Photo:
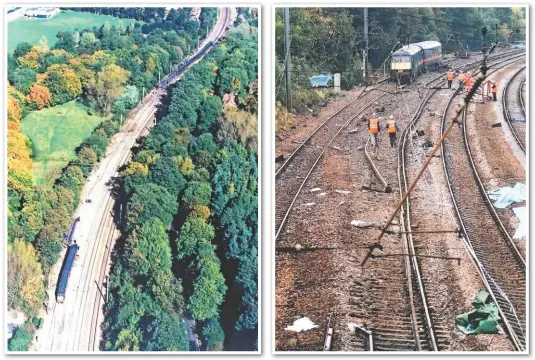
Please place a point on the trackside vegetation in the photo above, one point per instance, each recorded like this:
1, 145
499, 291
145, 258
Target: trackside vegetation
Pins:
189, 250
106, 70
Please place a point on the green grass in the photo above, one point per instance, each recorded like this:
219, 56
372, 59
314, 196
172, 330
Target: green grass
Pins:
31, 30
55, 133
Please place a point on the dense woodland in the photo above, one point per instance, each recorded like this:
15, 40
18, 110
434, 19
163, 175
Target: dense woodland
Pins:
330, 40
108, 68
195, 174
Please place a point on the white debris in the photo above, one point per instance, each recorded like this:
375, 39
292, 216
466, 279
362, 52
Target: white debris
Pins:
344, 192
308, 204
522, 214
322, 194
508, 195
364, 224
315, 189
302, 324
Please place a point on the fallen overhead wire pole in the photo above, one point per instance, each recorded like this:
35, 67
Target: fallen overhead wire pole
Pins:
299, 248
458, 112
373, 256
425, 232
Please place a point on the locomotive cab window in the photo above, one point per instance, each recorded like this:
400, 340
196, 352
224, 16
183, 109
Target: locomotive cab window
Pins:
401, 58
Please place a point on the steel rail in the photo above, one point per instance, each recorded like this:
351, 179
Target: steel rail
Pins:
505, 109
521, 98
405, 216
283, 222
320, 126
485, 277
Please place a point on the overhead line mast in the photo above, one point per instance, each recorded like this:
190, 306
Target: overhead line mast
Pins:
287, 59
365, 57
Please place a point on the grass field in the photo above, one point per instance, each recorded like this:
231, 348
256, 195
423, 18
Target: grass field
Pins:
55, 133
31, 30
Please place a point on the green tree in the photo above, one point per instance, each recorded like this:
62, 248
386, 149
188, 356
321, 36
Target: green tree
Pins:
169, 335
208, 290
197, 193
107, 87
211, 107
214, 335
164, 172
150, 201
22, 337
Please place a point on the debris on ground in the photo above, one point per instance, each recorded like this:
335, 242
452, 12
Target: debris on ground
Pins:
302, 324
508, 195
309, 204
353, 131
483, 319
343, 192
315, 190
428, 143
522, 215
365, 224
279, 158
497, 125
322, 194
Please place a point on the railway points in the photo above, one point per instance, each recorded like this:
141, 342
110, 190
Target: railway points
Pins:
405, 292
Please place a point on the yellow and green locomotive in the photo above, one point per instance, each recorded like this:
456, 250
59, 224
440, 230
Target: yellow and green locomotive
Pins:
411, 60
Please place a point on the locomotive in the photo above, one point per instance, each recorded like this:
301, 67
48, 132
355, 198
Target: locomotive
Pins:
182, 67
65, 272
411, 60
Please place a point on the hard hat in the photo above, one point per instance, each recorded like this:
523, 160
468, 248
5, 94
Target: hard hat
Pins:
391, 116
373, 114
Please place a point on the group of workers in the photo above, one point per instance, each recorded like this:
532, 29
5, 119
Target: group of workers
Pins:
374, 123
465, 80
374, 127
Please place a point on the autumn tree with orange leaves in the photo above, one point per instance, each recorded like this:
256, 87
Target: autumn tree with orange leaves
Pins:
39, 96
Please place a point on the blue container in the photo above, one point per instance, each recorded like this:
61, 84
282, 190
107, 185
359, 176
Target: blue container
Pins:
65, 272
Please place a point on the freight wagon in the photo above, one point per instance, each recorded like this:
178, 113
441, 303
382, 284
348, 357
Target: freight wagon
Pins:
412, 60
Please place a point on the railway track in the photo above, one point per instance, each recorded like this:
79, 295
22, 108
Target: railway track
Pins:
70, 320
497, 259
379, 299
293, 174
75, 326
513, 108
419, 327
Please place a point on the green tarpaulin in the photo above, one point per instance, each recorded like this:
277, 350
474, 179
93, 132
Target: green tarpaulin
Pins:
483, 319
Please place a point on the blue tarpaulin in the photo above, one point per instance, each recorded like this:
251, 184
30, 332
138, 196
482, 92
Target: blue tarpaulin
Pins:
320, 80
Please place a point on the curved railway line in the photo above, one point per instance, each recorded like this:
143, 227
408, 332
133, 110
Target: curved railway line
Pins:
302, 162
416, 325
513, 108
500, 264
80, 323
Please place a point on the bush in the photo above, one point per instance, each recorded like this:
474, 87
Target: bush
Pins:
22, 337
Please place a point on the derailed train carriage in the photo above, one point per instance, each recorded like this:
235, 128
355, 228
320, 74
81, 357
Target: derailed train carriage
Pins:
183, 66
412, 60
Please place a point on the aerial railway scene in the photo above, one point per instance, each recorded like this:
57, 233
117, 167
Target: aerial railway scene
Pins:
400, 181
132, 179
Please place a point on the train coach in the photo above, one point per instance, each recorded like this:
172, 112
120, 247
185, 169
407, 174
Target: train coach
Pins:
182, 67
412, 60
65, 272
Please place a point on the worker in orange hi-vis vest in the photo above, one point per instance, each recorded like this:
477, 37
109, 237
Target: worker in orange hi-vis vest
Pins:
449, 76
374, 128
461, 79
392, 127
468, 82
494, 91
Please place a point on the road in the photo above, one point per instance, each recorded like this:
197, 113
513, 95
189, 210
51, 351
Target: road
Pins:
75, 325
